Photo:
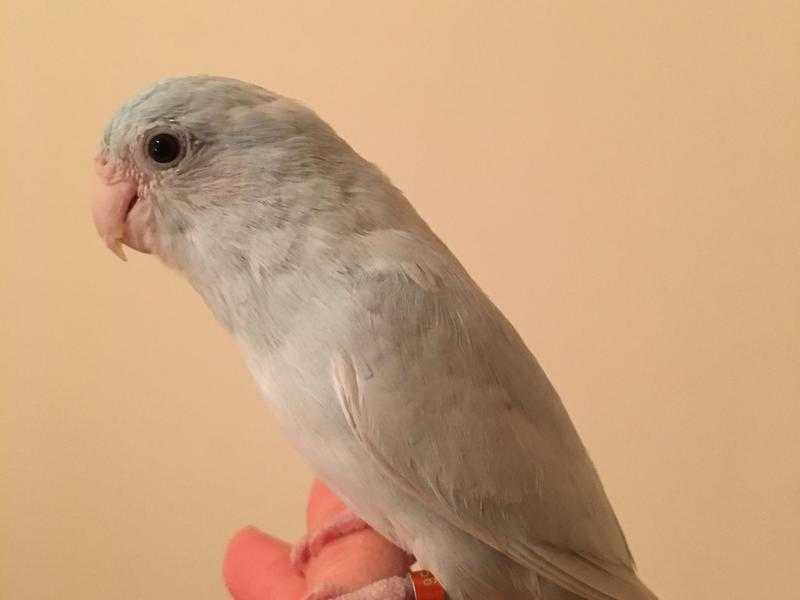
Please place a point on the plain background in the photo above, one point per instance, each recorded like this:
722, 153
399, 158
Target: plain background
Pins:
623, 178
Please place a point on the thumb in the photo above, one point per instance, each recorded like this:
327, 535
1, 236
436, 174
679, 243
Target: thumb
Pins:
257, 567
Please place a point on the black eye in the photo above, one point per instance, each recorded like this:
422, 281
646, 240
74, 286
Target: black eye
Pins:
164, 148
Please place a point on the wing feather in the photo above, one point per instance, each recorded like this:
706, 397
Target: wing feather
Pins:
444, 394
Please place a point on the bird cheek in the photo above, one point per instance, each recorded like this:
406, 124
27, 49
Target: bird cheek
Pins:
139, 226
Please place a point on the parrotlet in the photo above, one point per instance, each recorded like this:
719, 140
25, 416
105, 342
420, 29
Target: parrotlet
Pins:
403, 385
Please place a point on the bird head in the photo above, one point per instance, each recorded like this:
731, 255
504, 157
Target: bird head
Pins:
201, 160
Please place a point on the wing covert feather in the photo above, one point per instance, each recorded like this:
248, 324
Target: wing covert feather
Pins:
448, 399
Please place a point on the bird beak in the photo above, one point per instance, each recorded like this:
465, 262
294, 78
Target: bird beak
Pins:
113, 199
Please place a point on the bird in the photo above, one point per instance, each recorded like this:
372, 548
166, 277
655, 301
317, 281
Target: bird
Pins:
387, 367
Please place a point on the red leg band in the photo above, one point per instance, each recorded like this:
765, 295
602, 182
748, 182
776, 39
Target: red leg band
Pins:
426, 587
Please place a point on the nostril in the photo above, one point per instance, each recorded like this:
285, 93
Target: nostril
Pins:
105, 170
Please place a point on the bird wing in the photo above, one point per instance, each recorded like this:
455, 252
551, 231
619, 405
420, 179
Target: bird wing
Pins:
455, 409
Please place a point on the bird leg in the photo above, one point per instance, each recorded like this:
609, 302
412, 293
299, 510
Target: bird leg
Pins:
391, 588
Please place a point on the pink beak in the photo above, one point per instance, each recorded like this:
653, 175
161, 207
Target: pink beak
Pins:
112, 203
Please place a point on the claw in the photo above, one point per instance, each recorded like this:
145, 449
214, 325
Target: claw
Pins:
116, 247
311, 545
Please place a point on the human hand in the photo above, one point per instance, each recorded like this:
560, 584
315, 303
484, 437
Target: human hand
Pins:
259, 567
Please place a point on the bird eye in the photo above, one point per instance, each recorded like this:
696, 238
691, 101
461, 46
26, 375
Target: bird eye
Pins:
164, 148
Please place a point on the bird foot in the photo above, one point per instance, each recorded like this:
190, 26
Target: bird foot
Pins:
325, 592
391, 588
311, 545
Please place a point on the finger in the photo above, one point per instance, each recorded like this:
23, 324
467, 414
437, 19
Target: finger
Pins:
356, 560
353, 560
323, 505
257, 567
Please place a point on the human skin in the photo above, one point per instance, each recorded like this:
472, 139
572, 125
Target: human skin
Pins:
257, 566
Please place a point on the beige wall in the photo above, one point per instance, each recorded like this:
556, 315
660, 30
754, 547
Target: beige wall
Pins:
621, 177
